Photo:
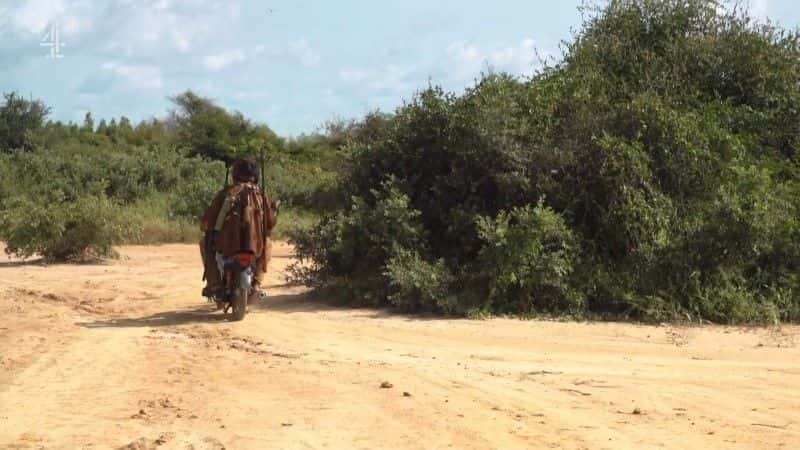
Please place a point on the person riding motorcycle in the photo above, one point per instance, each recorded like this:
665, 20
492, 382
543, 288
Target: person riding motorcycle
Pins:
240, 219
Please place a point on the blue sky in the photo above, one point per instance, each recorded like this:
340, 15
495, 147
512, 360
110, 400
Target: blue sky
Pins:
292, 64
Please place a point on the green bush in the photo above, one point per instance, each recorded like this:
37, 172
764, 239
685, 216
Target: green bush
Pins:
192, 196
419, 285
528, 262
76, 230
293, 221
157, 173
151, 216
667, 158
350, 250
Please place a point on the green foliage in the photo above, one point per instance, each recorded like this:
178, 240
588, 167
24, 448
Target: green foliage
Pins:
665, 143
208, 130
418, 284
154, 222
154, 195
351, 251
528, 261
85, 228
155, 188
293, 221
88, 123
304, 173
20, 119
126, 175
191, 197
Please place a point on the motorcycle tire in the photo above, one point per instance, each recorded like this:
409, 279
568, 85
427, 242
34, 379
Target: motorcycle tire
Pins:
239, 303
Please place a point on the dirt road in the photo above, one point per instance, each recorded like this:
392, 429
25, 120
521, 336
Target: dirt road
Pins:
125, 355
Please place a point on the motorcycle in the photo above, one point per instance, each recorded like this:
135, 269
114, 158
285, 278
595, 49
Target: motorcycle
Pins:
237, 276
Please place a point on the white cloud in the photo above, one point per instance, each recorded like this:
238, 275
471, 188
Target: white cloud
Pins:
303, 52
353, 75
250, 95
35, 15
140, 77
165, 29
182, 40
299, 51
390, 79
453, 68
223, 60
465, 53
468, 60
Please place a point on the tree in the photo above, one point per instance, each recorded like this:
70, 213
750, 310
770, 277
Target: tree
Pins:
88, 122
153, 131
125, 124
111, 130
208, 130
20, 119
102, 127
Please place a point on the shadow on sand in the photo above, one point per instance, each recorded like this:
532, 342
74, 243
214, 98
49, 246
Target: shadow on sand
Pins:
22, 263
284, 304
161, 319
206, 314
294, 303
303, 303
41, 262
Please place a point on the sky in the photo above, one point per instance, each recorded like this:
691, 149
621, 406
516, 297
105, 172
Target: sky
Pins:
292, 64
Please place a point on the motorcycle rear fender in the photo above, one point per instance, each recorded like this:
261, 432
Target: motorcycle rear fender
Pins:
246, 278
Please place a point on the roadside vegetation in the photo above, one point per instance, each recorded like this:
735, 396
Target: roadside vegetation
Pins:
72, 192
650, 173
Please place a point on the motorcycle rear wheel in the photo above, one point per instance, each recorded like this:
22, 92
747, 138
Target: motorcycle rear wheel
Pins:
239, 303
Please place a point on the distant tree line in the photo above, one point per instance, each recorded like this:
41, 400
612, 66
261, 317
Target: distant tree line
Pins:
70, 191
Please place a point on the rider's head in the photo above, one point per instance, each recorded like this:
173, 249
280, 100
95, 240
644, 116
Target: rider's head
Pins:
245, 170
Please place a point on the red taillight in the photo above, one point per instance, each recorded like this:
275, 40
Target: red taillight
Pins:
244, 259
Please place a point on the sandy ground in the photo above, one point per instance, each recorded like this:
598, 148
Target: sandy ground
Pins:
126, 355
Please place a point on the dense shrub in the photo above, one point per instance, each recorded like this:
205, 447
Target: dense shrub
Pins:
82, 229
417, 284
528, 261
157, 177
20, 120
663, 145
192, 196
152, 185
350, 251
